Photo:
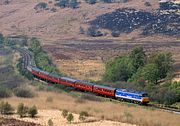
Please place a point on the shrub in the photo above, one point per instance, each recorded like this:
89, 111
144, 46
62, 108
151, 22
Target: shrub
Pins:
70, 117
147, 4
50, 122
64, 113
6, 108
91, 1
83, 115
40, 6
93, 32
23, 92
32, 111
22, 110
4, 92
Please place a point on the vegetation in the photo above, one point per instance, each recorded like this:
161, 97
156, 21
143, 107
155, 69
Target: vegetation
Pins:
83, 115
41, 6
67, 3
50, 122
23, 92
5, 108
32, 111
65, 113
5, 92
93, 32
91, 1
22, 110
41, 58
145, 73
1, 38
70, 117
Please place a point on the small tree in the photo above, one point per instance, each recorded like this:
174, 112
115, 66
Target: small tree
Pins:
5, 108
83, 115
22, 110
32, 111
70, 117
50, 122
64, 113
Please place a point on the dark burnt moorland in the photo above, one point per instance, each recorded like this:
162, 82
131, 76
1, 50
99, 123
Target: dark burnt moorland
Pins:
165, 21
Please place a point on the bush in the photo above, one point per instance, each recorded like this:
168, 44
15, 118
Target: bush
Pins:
6, 108
4, 92
93, 32
23, 92
64, 113
147, 4
41, 5
83, 115
32, 111
70, 117
22, 110
50, 122
91, 1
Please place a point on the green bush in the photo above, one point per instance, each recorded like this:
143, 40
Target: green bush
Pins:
83, 115
6, 108
50, 122
23, 92
22, 110
32, 111
70, 117
65, 113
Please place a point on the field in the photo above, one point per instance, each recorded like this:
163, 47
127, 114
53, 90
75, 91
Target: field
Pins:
86, 59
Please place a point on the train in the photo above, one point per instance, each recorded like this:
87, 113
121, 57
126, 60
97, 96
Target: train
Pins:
115, 93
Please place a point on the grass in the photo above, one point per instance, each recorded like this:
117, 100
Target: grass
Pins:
109, 110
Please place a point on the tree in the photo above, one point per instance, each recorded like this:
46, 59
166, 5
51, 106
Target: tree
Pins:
6, 108
70, 117
32, 111
83, 115
1, 38
119, 69
73, 3
163, 61
138, 57
64, 113
22, 110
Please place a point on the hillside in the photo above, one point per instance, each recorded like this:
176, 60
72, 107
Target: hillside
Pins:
54, 23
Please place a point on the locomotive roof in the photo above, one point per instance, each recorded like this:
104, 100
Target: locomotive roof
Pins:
69, 79
88, 83
105, 87
131, 91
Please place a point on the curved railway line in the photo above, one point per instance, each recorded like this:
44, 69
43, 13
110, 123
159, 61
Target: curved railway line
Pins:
27, 60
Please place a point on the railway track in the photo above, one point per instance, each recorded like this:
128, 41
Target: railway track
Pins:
27, 60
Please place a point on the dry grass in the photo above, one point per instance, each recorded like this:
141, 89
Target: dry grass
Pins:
82, 69
106, 110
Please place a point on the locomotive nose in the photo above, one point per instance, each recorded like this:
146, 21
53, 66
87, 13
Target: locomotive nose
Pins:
145, 100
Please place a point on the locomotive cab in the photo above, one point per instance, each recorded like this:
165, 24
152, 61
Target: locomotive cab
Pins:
144, 98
